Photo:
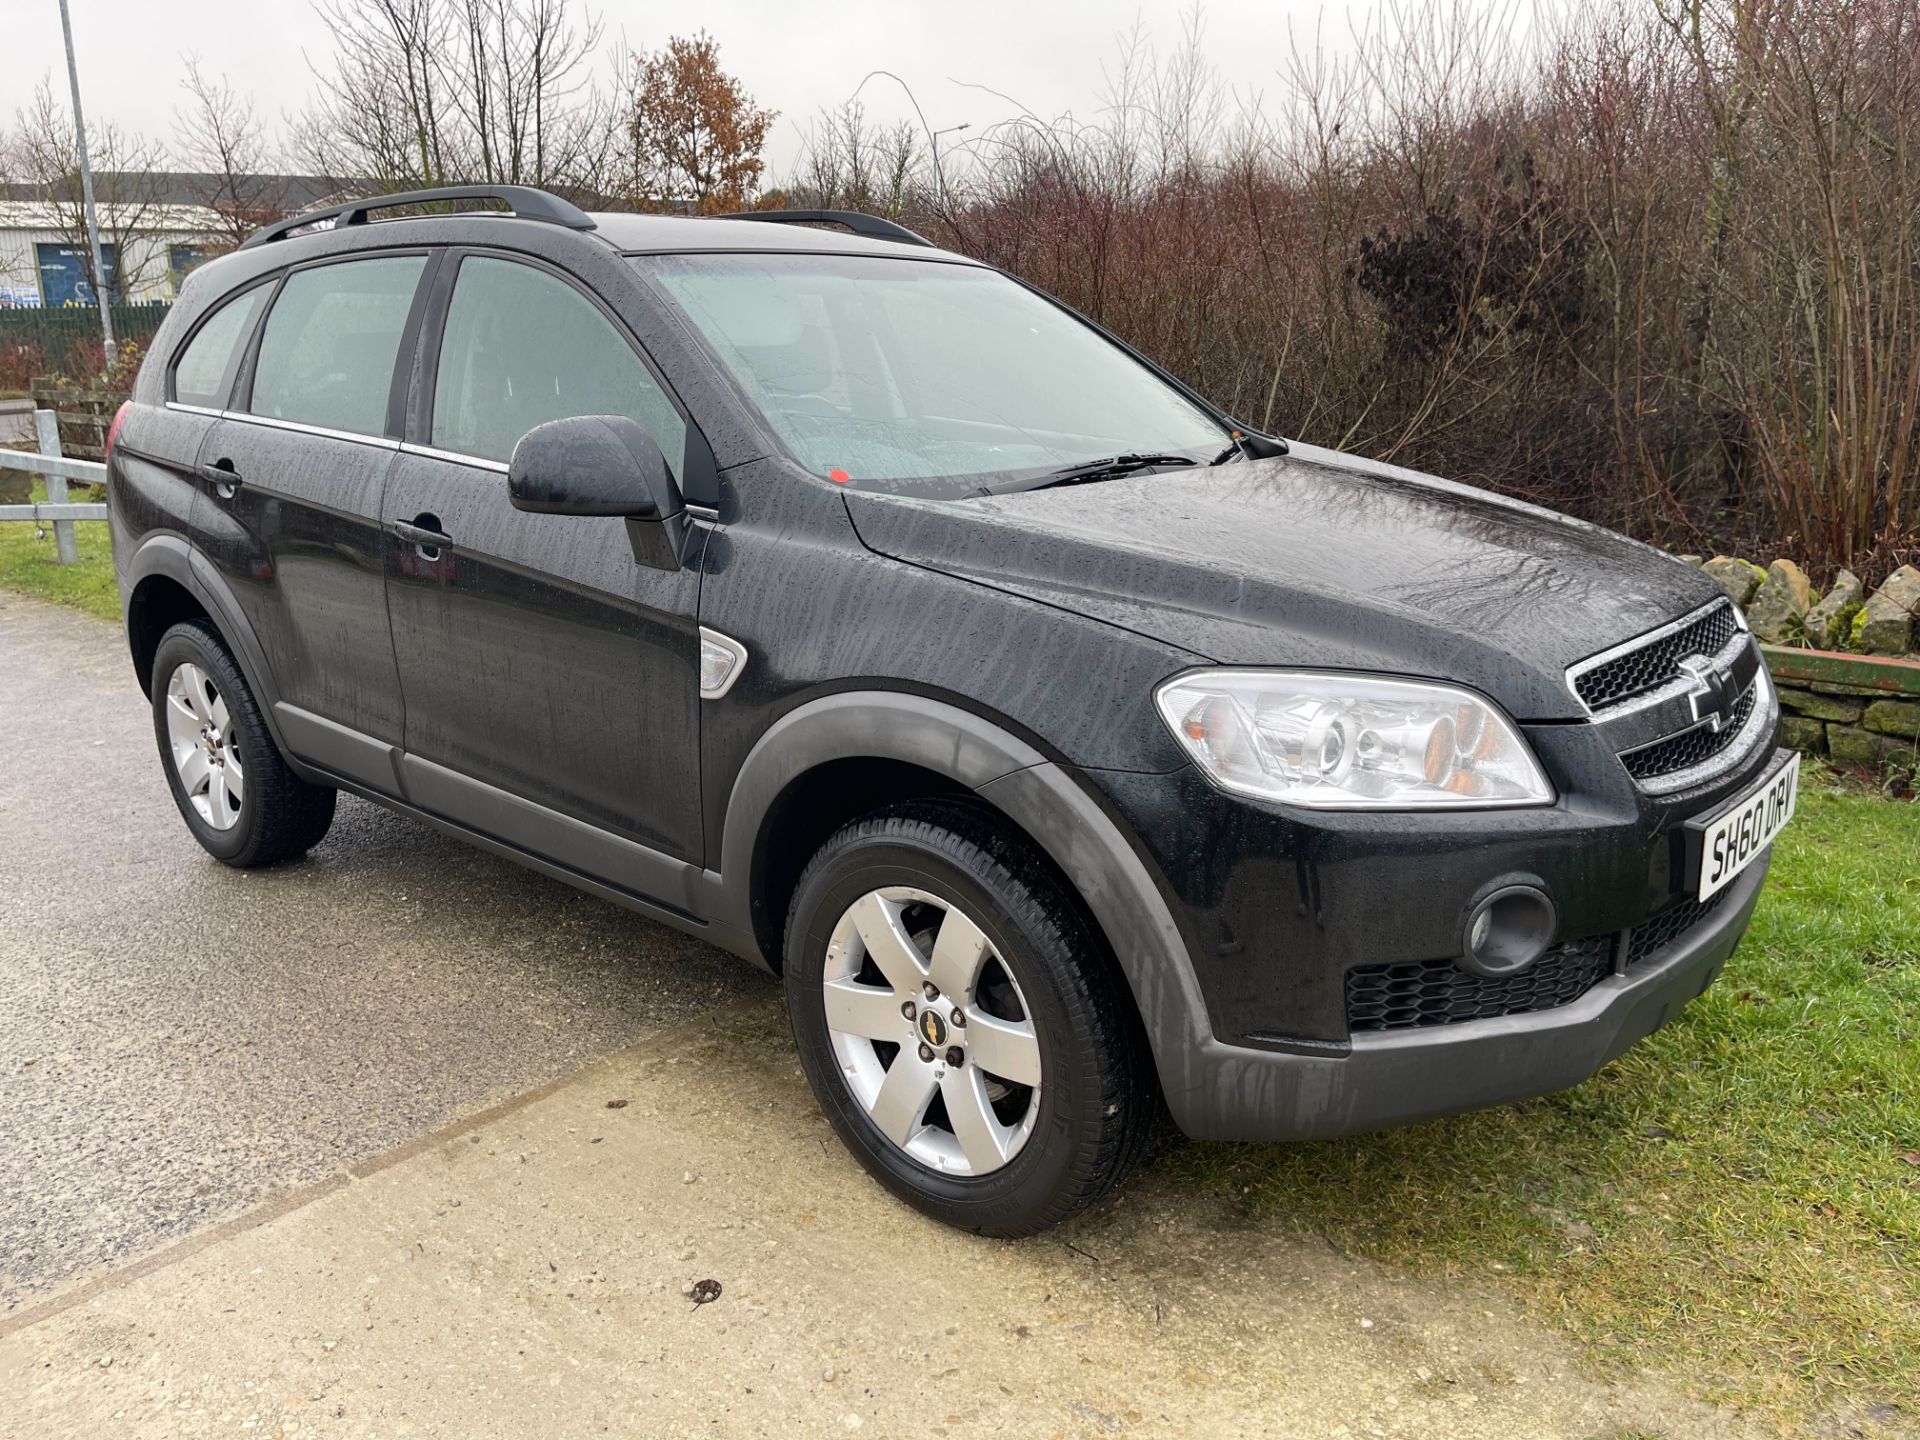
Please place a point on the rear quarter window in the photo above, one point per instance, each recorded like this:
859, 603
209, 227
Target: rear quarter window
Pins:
203, 375
327, 354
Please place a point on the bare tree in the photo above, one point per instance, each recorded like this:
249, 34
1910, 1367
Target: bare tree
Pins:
382, 116
436, 92
525, 92
40, 150
847, 163
219, 135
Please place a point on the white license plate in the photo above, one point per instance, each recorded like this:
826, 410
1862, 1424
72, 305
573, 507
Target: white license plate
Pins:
1740, 834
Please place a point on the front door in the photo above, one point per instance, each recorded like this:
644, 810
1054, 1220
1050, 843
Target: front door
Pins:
294, 477
551, 683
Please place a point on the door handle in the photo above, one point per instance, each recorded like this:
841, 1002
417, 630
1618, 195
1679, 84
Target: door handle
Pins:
222, 476
422, 537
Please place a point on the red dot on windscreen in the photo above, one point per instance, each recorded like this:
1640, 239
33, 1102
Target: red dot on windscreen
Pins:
839, 477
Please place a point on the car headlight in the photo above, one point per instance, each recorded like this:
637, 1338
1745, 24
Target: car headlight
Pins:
1351, 742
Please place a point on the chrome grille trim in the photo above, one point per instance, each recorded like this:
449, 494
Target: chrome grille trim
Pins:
1761, 722
1633, 722
1647, 699
1585, 667
1695, 745
1656, 696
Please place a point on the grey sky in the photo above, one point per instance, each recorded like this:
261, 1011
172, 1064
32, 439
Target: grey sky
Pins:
1048, 54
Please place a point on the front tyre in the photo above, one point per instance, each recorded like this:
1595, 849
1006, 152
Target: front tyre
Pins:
235, 791
963, 1028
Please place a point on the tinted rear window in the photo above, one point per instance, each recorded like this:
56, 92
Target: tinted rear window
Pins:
204, 372
331, 339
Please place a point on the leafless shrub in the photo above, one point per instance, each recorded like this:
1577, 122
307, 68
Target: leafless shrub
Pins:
1656, 265
849, 164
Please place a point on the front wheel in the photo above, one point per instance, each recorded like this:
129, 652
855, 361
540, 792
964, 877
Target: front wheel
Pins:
963, 1028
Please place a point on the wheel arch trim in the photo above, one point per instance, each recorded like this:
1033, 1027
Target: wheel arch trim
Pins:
1058, 815
857, 724
1036, 794
171, 557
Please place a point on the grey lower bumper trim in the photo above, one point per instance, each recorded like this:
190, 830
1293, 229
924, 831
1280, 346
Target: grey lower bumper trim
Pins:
1228, 1092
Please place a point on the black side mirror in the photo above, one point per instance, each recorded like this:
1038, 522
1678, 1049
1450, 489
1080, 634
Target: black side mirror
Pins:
602, 465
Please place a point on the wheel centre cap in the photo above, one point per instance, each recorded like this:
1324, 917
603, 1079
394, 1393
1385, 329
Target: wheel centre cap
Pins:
932, 1028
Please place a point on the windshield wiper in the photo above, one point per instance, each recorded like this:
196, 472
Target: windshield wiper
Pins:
1109, 468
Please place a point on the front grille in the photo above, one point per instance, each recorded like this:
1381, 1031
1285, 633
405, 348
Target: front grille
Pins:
1655, 663
1647, 707
1657, 932
1690, 747
1439, 992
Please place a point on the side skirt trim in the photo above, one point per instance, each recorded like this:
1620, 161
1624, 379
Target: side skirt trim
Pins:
623, 871
579, 847
338, 748
726, 939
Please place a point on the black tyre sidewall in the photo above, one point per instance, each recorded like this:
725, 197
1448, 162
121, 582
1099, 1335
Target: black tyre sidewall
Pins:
189, 644
1018, 1197
281, 815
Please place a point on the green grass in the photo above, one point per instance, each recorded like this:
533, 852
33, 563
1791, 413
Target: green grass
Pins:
1738, 1197
27, 564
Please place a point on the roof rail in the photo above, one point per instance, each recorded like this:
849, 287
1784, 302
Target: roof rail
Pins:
871, 225
522, 201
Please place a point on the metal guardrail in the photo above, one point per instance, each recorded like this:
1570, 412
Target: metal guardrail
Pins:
56, 509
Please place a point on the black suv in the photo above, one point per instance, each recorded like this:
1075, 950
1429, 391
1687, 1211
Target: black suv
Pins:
1070, 750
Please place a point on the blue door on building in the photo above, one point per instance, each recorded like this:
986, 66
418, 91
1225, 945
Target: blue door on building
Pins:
183, 260
63, 274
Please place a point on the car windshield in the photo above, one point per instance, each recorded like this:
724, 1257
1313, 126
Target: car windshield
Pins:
922, 377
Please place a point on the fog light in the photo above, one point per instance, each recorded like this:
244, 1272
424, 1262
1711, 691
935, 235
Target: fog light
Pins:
1508, 930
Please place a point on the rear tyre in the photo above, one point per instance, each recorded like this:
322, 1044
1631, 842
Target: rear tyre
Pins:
235, 791
964, 1029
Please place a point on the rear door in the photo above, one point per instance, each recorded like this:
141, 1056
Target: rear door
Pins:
551, 681
294, 476
154, 487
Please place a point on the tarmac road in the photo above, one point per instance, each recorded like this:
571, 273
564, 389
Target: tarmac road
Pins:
179, 1040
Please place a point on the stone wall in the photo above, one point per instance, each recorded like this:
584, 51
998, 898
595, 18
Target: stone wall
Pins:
1846, 663
1783, 608
1854, 709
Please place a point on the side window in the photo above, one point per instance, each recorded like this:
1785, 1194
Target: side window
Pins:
522, 348
326, 357
204, 372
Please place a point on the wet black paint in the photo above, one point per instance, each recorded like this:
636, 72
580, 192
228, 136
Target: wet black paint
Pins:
533, 655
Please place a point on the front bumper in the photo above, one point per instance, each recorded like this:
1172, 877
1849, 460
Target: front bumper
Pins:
1237, 926
1230, 1092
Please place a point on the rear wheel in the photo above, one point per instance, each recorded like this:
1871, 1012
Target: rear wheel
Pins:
962, 1027
235, 791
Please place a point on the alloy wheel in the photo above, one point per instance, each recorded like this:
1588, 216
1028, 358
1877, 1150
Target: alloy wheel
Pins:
205, 754
933, 1037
